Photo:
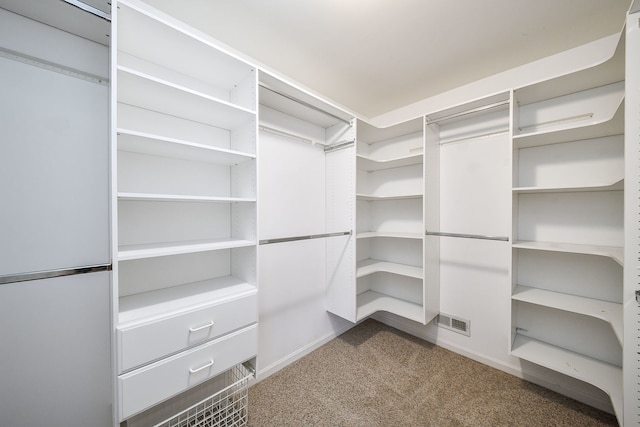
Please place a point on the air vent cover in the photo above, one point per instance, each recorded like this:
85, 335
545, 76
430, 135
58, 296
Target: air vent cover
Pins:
454, 324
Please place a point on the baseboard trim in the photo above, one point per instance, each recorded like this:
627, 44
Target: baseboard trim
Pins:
418, 330
301, 352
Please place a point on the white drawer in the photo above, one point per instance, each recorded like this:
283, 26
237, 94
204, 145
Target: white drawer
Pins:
143, 343
151, 384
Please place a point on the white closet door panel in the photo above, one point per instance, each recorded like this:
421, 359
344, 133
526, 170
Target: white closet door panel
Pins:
54, 169
475, 189
292, 173
56, 356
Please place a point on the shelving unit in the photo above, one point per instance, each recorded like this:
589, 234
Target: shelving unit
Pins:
390, 221
185, 125
568, 197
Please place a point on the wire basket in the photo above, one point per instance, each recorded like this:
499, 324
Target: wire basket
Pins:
225, 408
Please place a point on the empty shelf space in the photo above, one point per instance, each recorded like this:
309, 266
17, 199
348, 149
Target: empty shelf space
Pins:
393, 234
608, 311
132, 252
370, 302
374, 198
156, 145
150, 306
180, 198
603, 375
371, 266
370, 164
618, 185
615, 253
154, 94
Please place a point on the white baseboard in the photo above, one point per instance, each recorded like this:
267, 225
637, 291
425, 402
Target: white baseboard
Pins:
301, 352
554, 384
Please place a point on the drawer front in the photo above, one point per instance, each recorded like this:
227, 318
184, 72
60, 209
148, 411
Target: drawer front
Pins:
145, 343
151, 384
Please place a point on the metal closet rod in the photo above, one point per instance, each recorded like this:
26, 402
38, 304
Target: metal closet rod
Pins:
467, 112
87, 8
306, 104
327, 148
25, 277
467, 236
307, 237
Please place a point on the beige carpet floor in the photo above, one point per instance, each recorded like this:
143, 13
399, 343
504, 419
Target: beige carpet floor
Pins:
374, 375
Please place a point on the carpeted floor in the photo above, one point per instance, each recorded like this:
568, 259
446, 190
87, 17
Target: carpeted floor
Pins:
374, 375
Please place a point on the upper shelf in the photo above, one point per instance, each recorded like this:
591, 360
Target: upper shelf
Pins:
377, 198
152, 93
615, 253
370, 164
618, 185
371, 266
131, 252
393, 234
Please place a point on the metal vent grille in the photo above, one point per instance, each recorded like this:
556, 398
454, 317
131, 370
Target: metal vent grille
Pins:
454, 324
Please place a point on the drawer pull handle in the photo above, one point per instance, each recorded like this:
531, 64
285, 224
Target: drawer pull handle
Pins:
205, 366
199, 328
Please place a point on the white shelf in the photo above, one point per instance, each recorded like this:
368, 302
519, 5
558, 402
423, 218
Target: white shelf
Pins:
603, 375
152, 306
147, 197
370, 302
618, 185
145, 91
370, 164
156, 145
397, 235
371, 266
377, 198
132, 252
608, 311
615, 253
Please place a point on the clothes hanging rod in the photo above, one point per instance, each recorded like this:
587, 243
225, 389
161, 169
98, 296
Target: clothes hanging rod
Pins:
25, 277
339, 145
87, 8
306, 104
307, 237
286, 134
467, 112
467, 236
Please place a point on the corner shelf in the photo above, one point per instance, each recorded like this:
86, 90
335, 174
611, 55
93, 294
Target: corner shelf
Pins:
377, 198
180, 198
370, 302
607, 311
370, 164
392, 234
617, 185
371, 266
615, 253
132, 252
603, 375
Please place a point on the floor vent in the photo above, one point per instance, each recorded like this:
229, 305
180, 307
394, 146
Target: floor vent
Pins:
454, 324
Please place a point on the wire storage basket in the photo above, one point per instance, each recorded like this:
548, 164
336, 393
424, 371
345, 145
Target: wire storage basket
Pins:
226, 408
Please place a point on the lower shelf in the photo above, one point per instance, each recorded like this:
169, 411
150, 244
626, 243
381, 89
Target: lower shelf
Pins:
371, 266
612, 252
370, 302
603, 375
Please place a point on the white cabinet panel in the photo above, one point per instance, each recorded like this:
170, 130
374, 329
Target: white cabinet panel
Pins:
56, 357
54, 161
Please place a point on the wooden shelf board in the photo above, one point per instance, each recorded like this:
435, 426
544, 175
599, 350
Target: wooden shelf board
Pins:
370, 302
148, 197
603, 375
141, 90
615, 253
370, 164
371, 266
151, 306
617, 185
132, 252
607, 311
376, 198
398, 235
157, 145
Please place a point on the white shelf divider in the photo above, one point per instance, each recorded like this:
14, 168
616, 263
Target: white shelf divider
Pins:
603, 375
609, 312
148, 197
376, 198
394, 234
371, 266
370, 164
370, 302
131, 252
162, 303
157, 145
618, 185
613, 252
